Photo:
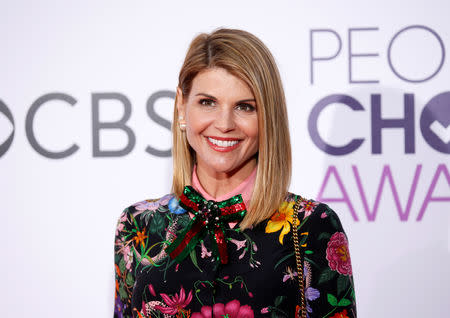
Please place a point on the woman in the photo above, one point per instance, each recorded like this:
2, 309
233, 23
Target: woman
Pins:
221, 245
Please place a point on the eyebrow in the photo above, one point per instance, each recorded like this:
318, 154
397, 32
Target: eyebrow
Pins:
212, 97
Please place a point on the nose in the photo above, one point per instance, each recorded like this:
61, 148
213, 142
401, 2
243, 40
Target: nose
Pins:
225, 120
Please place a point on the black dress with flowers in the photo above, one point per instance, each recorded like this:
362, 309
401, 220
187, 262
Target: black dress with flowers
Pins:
259, 279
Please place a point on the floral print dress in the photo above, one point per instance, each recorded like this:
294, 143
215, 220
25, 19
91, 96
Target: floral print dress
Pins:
259, 280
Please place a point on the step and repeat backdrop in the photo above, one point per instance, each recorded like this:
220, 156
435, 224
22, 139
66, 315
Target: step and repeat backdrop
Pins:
86, 98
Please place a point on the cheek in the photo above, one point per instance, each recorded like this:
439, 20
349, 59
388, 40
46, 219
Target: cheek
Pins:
250, 128
192, 134
195, 125
193, 120
253, 132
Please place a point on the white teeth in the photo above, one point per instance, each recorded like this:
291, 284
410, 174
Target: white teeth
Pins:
223, 143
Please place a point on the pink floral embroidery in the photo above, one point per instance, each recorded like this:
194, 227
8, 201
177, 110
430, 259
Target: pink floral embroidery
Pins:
338, 255
232, 309
152, 205
128, 257
152, 290
120, 226
146, 205
205, 252
308, 206
239, 244
175, 303
289, 274
147, 308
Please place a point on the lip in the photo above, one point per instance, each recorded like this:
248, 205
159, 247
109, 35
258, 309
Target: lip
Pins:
223, 149
223, 138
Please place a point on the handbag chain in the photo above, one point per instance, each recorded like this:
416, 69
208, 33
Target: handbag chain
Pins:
298, 257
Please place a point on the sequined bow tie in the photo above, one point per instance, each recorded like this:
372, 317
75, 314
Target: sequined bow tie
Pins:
209, 217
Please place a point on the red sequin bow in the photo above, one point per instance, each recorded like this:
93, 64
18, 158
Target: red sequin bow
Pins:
210, 217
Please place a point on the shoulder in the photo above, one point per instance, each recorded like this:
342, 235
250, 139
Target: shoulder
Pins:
312, 219
313, 214
142, 212
326, 260
149, 204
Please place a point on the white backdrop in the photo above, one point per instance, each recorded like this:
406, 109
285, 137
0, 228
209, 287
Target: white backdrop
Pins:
350, 69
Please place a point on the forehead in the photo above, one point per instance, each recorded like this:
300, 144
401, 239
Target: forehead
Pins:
220, 83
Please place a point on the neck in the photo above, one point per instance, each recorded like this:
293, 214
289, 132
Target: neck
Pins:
217, 184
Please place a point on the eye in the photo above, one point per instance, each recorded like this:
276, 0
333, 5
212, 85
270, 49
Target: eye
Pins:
207, 102
246, 107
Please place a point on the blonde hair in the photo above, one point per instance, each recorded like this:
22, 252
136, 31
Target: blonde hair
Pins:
246, 57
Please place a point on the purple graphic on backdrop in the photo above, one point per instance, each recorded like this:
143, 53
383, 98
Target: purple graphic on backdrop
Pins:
406, 123
325, 38
313, 129
378, 124
435, 122
441, 61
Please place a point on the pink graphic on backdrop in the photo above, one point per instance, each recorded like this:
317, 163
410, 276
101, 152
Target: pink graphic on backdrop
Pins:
429, 198
404, 214
345, 198
386, 175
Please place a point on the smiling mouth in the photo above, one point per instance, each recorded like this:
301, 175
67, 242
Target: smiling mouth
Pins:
223, 144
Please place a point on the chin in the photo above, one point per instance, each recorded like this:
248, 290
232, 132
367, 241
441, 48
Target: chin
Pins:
230, 168
222, 164
223, 168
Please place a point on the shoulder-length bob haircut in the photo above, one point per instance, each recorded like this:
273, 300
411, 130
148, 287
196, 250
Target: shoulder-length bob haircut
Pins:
246, 57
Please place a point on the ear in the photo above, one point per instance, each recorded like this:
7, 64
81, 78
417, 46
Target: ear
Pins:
180, 104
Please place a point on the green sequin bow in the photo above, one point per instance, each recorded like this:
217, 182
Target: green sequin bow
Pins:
210, 217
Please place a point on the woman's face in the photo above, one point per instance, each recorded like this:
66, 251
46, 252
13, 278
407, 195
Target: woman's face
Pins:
221, 122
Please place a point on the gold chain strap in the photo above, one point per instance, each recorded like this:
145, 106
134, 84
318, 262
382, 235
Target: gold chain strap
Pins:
298, 258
